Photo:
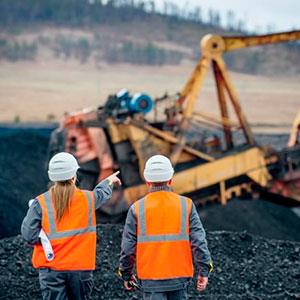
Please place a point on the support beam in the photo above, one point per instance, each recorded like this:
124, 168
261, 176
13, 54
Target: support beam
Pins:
192, 89
223, 198
171, 139
234, 100
222, 102
189, 95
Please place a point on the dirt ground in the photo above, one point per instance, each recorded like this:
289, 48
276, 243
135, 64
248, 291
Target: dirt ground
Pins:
45, 89
245, 267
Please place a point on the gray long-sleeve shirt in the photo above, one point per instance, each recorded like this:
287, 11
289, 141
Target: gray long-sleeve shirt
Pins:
201, 254
31, 224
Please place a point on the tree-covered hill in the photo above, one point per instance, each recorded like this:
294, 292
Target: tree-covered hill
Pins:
130, 31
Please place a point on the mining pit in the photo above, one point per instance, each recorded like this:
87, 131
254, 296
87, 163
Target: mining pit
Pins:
255, 244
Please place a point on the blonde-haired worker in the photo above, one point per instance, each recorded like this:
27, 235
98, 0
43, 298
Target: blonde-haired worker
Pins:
66, 215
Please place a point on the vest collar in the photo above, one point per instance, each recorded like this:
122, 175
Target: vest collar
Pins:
160, 188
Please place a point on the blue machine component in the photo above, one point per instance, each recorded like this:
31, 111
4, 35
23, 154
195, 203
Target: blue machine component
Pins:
138, 103
141, 103
123, 94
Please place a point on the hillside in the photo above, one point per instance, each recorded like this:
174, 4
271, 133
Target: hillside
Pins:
124, 32
62, 56
43, 90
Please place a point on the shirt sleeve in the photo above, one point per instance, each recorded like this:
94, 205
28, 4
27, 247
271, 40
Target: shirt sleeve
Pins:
102, 193
31, 225
198, 242
128, 246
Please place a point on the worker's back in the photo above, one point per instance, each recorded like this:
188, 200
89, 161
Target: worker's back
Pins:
73, 238
163, 248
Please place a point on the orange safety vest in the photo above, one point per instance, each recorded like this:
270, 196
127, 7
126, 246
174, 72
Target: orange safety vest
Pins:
163, 246
73, 239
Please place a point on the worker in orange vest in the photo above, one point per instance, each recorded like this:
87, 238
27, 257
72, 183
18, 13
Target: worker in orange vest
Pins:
66, 216
161, 235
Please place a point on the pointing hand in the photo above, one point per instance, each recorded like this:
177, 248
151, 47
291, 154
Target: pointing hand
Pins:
114, 179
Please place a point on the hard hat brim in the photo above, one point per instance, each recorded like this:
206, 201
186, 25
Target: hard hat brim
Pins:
162, 177
63, 176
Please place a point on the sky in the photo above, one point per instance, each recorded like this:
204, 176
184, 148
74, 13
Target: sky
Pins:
282, 15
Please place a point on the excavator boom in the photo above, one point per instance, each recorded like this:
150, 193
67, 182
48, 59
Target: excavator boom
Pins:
212, 49
237, 42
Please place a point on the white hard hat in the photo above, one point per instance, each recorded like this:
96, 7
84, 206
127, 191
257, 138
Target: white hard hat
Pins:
158, 168
62, 166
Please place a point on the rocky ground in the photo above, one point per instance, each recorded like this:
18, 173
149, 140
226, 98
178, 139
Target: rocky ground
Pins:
245, 267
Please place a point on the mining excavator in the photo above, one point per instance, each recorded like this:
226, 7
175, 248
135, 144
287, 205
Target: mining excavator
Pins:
210, 165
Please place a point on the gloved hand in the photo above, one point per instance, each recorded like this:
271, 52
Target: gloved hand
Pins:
131, 284
202, 283
114, 179
130, 281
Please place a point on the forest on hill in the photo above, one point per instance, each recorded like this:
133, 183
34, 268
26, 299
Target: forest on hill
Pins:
129, 31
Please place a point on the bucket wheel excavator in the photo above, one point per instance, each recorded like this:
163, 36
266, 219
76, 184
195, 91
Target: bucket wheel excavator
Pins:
209, 165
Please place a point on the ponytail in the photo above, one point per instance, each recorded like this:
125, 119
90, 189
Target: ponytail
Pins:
62, 193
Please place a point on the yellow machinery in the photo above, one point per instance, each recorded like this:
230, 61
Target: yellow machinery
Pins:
212, 49
213, 170
287, 184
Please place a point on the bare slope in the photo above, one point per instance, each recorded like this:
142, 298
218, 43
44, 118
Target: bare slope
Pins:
46, 89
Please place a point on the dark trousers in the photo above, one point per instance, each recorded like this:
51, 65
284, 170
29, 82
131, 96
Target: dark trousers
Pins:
73, 285
171, 295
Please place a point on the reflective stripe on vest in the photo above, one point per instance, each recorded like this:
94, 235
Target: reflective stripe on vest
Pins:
53, 234
182, 236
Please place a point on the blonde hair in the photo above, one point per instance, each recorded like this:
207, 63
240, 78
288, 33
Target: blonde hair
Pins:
62, 192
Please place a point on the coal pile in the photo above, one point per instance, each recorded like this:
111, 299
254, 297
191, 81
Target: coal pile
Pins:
258, 217
245, 267
23, 156
278, 141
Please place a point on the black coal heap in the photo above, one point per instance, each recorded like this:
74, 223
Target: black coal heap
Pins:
245, 267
